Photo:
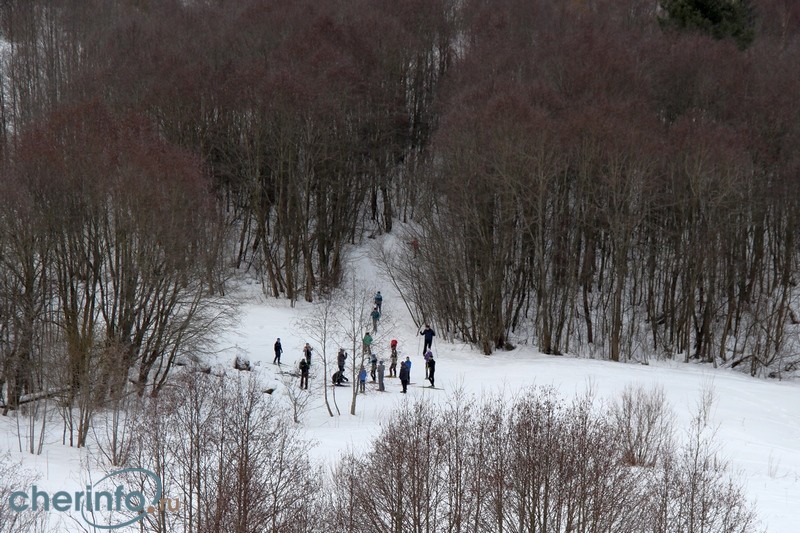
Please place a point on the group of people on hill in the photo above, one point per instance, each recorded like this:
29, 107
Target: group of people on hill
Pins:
377, 370
377, 367
305, 362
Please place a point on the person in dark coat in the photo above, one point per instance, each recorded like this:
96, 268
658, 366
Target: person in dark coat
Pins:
373, 362
429, 334
405, 372
278, 352
307, 352
379, 302
431, 370
341, 357
338, 378
303, 374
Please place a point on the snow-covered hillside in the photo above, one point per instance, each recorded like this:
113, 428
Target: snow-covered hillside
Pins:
758, 421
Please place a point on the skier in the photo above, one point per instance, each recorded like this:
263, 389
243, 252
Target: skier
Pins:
341, 357
405, 372
278, 352
373, 361
362, 379
381, 369
376, 315
307, 351
367, 343
428, 356
303, 374
379, 302
431, 370
429, 334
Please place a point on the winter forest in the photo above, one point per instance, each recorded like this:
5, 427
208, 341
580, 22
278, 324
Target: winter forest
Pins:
615, 179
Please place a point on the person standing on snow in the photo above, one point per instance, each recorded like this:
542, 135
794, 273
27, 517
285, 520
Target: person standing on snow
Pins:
393, 360
429, 334
362, 379
307, 351
405, 373
373, 361
376, 315
428, 356
303, 374
379, 302
431, 370
278, 352
381, 370
367, 342
341, 357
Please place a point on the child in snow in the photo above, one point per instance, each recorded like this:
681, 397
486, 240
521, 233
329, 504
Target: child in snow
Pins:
362, 379
428, 356
338, 378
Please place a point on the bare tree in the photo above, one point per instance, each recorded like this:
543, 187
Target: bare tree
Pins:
352, 322
226, 438
646, 425
15, 477
318, 326
536, 463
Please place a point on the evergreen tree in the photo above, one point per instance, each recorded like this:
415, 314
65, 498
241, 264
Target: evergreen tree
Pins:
719, 18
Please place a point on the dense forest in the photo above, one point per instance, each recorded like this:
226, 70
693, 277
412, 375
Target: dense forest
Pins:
614, 178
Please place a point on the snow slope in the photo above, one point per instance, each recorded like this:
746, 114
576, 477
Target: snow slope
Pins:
758, 421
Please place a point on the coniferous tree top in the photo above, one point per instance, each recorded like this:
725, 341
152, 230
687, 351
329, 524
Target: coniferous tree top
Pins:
719, 18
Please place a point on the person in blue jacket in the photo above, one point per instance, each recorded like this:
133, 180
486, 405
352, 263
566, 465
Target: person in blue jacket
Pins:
362, 379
